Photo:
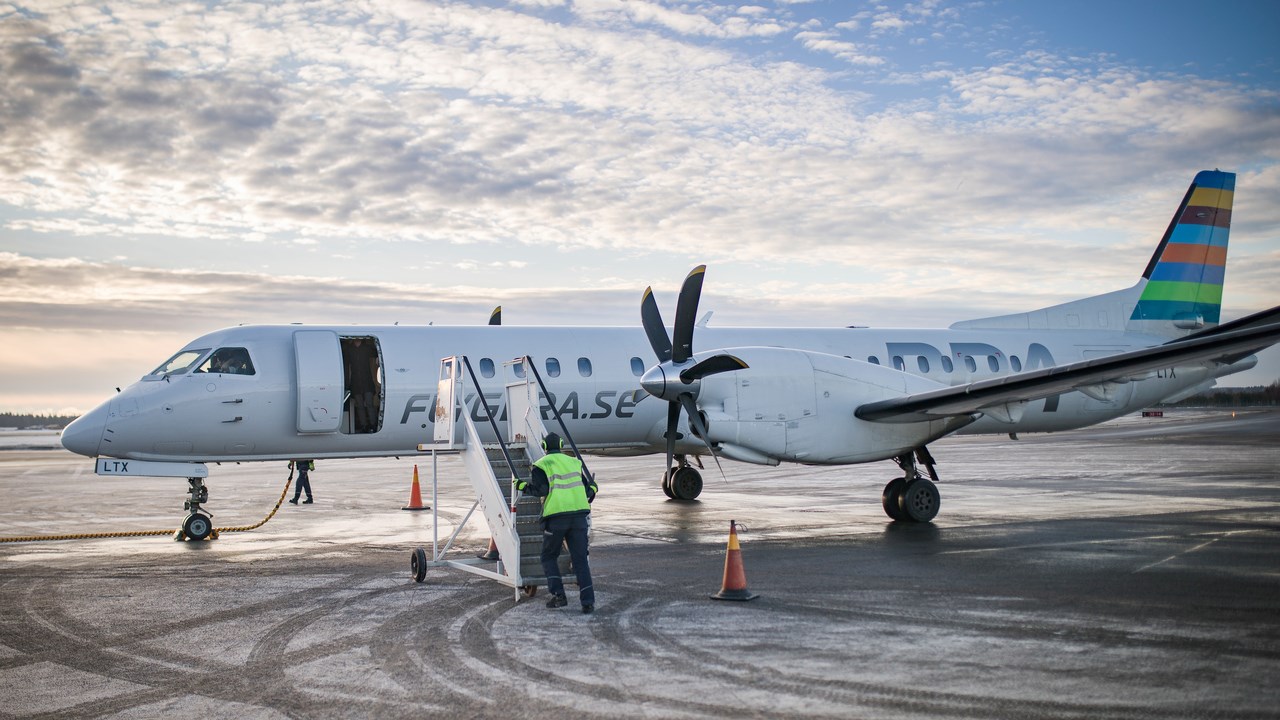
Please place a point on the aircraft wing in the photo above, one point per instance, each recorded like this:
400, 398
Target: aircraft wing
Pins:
1225, 344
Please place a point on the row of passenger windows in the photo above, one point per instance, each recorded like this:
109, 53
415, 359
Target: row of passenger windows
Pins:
970, 363
553, 369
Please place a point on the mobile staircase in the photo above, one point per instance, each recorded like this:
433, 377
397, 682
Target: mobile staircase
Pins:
514, 520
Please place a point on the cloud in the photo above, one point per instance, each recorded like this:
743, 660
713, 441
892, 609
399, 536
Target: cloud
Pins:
826, 42
630, 137
704, 19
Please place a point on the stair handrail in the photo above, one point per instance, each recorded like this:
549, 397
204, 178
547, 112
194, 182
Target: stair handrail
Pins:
488, 411
528, 362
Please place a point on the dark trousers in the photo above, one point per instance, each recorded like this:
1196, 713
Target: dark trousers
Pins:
304, 484
555, 532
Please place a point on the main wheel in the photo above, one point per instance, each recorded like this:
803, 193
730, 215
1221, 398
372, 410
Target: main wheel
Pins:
418, 564
920, 501
891, 499
666, 484
686, 483
197, 526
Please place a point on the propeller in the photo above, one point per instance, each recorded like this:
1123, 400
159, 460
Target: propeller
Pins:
676, 378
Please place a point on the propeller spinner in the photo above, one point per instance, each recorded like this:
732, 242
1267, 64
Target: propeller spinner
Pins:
677, 378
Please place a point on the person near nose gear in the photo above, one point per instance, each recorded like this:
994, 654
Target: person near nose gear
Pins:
304, 480
567, 493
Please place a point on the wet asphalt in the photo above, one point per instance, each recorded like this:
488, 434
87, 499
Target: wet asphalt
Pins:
1126, 571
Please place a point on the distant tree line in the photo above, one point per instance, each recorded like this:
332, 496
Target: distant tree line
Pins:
1258, 395
22, 420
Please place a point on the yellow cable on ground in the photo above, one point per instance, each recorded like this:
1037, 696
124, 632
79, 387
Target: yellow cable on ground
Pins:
264, 520
144, 533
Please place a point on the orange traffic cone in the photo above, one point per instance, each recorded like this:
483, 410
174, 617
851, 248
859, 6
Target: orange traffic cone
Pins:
734, 586
415, 495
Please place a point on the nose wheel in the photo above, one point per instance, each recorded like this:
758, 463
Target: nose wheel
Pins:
198, 524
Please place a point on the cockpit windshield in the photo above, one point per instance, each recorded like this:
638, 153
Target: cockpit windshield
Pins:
179, 363
228, 360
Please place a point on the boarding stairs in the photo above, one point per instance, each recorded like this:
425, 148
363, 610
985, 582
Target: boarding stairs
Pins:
514, 520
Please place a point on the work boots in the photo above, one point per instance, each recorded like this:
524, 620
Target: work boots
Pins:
557, 601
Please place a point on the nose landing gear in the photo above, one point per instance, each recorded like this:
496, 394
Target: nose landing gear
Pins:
198, 524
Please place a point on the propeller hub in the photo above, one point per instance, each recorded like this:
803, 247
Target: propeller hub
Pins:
663, 381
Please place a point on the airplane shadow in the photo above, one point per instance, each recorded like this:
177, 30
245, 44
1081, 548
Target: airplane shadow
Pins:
912, 533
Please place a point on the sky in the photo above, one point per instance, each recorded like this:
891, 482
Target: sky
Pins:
170, 168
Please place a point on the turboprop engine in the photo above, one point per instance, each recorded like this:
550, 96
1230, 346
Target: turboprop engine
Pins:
766, 405
798, 406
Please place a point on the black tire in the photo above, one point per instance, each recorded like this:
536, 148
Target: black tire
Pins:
197, 526
920, 501
891, 499
418, 565
666, 484
528, 591
686, 484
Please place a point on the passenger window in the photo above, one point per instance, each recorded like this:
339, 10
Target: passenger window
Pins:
553, 367
1016, 363
486, 368
637, 366
970, 364
228, 361
873, 359
584, 367
946, 364
994, 363
518, 369
923, 363
898, 364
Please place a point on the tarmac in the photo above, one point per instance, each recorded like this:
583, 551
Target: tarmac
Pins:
1130, 570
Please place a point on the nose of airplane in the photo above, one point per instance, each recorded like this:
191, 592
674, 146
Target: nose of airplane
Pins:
84, 435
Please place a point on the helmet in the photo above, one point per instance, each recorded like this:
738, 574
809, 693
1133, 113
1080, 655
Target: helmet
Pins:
552, 443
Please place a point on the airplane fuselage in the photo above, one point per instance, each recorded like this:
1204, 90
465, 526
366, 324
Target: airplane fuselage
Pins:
592, 373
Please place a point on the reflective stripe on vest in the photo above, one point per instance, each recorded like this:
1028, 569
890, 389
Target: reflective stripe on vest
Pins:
566, 492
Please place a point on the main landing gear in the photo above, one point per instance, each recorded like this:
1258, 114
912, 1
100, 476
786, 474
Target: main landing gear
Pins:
198, 524
682, 482
912, 497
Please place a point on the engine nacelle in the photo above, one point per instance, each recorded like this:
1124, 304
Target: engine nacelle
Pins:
798, 406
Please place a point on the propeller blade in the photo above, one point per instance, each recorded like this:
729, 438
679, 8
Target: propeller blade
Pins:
686, 315
673, 420
711, 366
653, 327
495, 317
695, 421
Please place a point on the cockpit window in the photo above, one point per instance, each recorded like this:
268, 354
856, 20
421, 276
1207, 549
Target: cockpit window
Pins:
228, 361
180, 363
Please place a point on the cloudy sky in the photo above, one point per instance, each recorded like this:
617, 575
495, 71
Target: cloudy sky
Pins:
170, 168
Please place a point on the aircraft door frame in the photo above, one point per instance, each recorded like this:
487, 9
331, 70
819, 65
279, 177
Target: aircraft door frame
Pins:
319, 382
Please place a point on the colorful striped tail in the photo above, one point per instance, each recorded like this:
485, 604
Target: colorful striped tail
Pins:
1183, 289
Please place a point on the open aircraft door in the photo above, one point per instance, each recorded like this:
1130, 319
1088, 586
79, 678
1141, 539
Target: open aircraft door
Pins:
318, 357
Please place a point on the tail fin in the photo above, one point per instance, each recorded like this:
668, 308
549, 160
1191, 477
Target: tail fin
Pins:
1183, 282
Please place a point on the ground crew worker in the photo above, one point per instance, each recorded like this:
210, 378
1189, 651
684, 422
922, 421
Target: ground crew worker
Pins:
567, 493
304, 480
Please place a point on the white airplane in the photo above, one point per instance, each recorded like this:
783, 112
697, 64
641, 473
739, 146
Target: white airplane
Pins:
820, 396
